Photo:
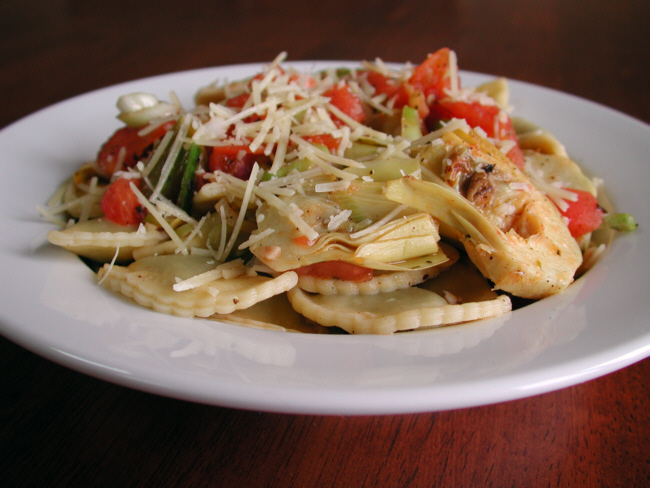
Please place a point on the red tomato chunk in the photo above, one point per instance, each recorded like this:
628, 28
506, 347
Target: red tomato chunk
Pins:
327, 140
236, 160
432, 76
121, 205
128, 144
496, 123
337, 270
389, 87
341, 97
584, 215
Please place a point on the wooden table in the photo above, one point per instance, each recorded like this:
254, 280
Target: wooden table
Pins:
61, 428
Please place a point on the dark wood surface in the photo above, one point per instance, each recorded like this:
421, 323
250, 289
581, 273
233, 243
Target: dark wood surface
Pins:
61, 428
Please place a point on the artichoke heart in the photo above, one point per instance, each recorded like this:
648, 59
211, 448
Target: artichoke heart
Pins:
512, 233
407, 242
387, 169
101, 240
410, 237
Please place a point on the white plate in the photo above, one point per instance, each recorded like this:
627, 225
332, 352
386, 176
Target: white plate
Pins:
51, 305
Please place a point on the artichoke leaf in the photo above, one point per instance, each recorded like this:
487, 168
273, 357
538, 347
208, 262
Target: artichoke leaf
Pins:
367, 201
410, 237
419, 262
283, 249
457, 216
535, 258
387, 169
387, 251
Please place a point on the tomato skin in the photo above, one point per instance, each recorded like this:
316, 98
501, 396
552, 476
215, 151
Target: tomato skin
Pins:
236, 160
390, 87
484, 116
341, 97
340, 270
490, 118
431, 77
517, 156
327, 140
135, 147
584, 215
238, 101
120, 205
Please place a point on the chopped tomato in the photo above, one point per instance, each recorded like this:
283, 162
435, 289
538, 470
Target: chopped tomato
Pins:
259, 77
238, 101
516, 156
495, 122
484, 116
337, 270
126, 143
327, 140
432, 76
120, 205
390, 87
584, 215
236, 160
418, 101
341, 97
303, 80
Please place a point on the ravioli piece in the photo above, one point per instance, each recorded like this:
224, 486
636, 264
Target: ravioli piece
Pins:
381, 282
79, 203
98, 239
406, 309
150, 282
555, 169
531, 136
463, 283
498, 90
276, 313
206, 235
547, 159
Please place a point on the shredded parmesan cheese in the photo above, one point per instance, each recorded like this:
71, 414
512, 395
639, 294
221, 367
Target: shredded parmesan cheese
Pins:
256, 238
554, 192
242, 211
336, 220
111, 264
229, 270
339, 185
384, 220
159, 218
171, 158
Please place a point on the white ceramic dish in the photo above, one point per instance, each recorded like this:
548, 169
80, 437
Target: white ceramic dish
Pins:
51, 305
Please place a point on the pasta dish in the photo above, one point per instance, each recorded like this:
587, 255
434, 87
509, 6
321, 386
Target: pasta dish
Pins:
371, 199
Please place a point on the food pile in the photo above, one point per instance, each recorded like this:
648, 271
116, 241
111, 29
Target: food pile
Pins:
367, 199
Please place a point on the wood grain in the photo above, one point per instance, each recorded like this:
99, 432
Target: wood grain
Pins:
61, 428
